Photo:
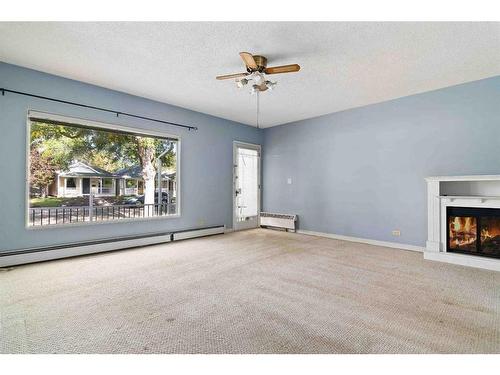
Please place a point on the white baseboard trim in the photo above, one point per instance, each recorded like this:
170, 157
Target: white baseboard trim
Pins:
464, 260
394, 245
71, 250
24, 256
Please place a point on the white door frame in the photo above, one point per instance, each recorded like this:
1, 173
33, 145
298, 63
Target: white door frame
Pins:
251, 146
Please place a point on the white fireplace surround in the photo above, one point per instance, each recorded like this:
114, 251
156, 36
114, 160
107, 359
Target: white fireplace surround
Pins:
458, 191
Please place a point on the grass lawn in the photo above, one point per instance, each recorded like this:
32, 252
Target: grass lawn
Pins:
46, 202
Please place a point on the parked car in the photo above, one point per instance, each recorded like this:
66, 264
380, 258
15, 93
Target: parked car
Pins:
139, 199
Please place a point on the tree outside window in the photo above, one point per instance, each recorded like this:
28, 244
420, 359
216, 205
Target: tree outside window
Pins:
55, 148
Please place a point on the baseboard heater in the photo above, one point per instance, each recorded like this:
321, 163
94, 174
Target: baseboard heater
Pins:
40, 254
201, 232
286, 222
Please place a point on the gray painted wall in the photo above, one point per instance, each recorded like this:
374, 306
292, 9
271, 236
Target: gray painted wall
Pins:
358, 172
206, 160
361, 172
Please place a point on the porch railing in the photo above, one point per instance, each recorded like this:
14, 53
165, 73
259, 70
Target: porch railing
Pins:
130, 191
79, 214
103, 190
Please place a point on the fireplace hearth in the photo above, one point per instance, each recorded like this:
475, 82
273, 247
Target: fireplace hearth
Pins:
474, 231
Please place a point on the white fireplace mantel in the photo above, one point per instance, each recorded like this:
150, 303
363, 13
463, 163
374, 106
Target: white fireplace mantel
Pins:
458, 191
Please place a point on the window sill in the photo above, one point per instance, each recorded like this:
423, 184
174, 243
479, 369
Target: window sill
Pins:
93, 223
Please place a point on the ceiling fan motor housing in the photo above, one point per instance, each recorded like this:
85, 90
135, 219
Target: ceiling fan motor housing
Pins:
261, 62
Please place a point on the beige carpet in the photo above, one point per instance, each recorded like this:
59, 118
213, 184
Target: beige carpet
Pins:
257, 291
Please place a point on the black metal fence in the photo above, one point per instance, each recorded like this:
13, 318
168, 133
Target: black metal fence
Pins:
79, 214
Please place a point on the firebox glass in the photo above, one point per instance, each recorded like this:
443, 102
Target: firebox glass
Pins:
463, 233
490, 235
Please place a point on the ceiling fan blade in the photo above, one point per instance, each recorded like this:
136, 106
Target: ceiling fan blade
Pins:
229, 76
282, 69
248, 60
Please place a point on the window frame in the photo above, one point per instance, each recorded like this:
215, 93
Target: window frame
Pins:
99, 125
108, 179
66, 180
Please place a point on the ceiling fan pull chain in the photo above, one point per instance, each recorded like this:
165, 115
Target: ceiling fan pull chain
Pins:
258, 102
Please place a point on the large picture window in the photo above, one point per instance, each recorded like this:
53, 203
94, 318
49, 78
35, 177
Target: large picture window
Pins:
81, 172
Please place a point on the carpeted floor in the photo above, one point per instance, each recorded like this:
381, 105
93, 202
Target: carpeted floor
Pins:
257, 291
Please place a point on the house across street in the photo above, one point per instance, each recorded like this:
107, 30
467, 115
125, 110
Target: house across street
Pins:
81, 179
85, 193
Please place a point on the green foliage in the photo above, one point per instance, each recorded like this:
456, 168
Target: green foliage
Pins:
46, 202
63, 144
42, 170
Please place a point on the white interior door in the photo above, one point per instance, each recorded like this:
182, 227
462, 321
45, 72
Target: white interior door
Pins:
246, 186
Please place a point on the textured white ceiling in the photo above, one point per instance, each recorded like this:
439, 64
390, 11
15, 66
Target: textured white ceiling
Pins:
344, 65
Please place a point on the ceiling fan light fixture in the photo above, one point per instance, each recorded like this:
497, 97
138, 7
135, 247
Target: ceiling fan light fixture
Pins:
258, 78
271, 85
256, 72
241, 83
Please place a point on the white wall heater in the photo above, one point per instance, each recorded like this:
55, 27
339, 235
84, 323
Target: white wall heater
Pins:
23, 256
287, 222
184, 235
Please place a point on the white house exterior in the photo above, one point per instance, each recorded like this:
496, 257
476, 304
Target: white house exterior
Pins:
82, 179
131, 182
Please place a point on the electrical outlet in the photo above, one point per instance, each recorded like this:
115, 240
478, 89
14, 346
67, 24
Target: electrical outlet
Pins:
289, 180
396, 233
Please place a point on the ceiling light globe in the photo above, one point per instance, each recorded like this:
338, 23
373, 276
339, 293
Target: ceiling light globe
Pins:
271, 85
241, 82
258, 78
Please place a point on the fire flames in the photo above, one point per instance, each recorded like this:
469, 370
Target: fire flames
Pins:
485, 234
490, 228
478, 234
462, 231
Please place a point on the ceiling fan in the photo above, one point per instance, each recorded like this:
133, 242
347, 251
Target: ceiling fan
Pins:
256, 71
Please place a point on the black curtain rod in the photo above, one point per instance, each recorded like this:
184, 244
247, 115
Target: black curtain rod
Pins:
118, 113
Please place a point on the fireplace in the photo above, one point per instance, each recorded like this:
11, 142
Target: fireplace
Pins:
474, 231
